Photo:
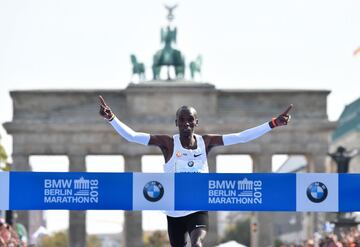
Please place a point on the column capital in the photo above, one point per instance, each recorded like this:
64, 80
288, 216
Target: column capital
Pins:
262, 153
132, 156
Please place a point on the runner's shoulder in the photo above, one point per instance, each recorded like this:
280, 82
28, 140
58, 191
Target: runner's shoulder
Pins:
161, 140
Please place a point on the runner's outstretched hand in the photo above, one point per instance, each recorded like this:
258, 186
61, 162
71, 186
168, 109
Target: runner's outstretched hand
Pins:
105, 110
283, 118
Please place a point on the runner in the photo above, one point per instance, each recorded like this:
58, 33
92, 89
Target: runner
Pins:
187, 152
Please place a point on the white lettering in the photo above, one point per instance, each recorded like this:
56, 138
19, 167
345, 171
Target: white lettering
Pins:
221, 184
222, 192
67, 199
57, 183
233, 200
58, 192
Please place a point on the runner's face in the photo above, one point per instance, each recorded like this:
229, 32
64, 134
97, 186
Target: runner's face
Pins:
186, 121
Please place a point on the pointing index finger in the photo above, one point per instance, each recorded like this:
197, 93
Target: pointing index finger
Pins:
288, 109
102, 101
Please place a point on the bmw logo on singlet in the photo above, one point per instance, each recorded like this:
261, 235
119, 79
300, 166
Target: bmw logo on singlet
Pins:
317, 192
153, 191
191, 163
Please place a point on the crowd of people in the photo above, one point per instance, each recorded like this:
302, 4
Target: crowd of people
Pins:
345, 239
8, 236
11, 237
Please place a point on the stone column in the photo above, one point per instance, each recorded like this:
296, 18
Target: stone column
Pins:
309, 224
314, 221
316, 162
262, 162
133, 233
254, 231
21, 163
263, 233
212, 237
77, 218
36, 219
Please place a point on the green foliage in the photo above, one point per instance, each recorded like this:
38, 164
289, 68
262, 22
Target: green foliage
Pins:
278, 243
3, 155
156, 239
60, 239
238, 231
93, 241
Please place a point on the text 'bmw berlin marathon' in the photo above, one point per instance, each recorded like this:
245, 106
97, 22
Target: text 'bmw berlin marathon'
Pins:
71, 190
243, 191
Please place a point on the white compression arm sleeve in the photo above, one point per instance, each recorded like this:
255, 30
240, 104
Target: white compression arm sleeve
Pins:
129, 134
246, 135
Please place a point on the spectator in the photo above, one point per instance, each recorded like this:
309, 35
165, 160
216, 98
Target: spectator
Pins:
4, 233
8, 236
309, 243
22, 234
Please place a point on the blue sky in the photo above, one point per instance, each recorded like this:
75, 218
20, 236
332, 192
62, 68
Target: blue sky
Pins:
261, 44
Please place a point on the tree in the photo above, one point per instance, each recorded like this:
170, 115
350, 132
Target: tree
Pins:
93, 241
239, 231
157, 239
60, 239
3, 157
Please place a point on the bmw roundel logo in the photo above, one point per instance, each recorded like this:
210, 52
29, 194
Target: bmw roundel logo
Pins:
191, 163
317, 192
153, 191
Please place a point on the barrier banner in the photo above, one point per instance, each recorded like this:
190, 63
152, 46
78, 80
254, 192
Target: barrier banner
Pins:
317, 192
153, 191
349, 191
4, 190
303, 192
244, 192
70, 190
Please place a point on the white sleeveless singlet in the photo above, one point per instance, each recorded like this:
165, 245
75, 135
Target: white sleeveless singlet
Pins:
187, 160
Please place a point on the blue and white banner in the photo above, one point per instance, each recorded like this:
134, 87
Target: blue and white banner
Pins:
349, 192
70, 190
152, 191
244, 192
315, 192
4, 190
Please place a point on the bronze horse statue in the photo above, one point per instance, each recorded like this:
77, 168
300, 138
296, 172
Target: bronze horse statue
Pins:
138, 68
168, 56
195, 66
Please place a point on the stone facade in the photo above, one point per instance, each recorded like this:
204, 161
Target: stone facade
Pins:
66, 122
347, 134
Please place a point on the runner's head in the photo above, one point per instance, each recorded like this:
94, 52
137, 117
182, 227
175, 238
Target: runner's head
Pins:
186, 120
341, 149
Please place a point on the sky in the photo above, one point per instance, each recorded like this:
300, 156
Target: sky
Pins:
260, 44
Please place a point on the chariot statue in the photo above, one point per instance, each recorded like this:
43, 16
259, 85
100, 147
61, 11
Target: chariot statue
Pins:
168, 56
